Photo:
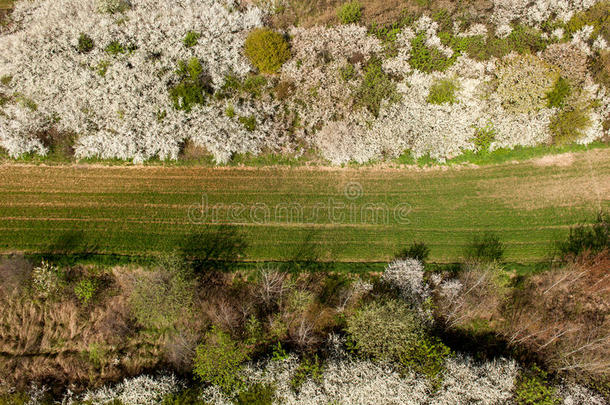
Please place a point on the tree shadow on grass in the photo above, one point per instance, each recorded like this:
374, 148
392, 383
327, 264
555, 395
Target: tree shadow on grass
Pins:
307, 257
69, 247
213, 249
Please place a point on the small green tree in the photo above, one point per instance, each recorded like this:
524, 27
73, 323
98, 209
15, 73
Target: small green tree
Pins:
267, 50
191, 38
219, 359
350, 13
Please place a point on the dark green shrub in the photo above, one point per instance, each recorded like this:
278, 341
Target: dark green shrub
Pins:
533, 388
350, 13
230, 111
193, 86
392, 331
589, 239
187, 397
310, 367
485, 248
375, 87
191, 38
6, 80
428, 59
85, 43
256, 394
418, 250
115, 48
483, 137
254, 85
443, 91
219, 359
569, 124
557, 96
267, 50
248, 122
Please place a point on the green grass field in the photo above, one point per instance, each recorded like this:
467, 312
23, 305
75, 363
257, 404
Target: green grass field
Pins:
146, 210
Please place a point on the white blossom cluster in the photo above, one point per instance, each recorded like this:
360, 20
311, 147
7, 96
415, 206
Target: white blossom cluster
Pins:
118, 105
347, 380
536, 12
117, 114
407, 276
140, 390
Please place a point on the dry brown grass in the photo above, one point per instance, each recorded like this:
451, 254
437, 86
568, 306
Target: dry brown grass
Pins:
564, 315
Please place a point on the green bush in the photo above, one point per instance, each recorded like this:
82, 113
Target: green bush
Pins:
218, 361
310, 367
191, 38
115, 48
392, 331
186, 397
443, 91
347, 72
85, 43
254, 85
485, 248
557, 96
267, 50
193, 86
569, 124
586, 238
256, 394
161, 298
427, 59
248, 122
533, 388
418, 250
483, 137
85, 289
350, 13
376, 86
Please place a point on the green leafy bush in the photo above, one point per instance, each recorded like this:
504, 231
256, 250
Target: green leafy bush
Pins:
376, 86
557, 96
256, 394
533, 388
485, 248
418, 250
570, 124
443, 91
219, 359
160, 298
85, 289
483, 137
85, 43
254, 85
191, 38
347, 72
350, 13
310, 367
392, 331
249, 122
186, 397
427, 59
267, 50
193, 86
115, 48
